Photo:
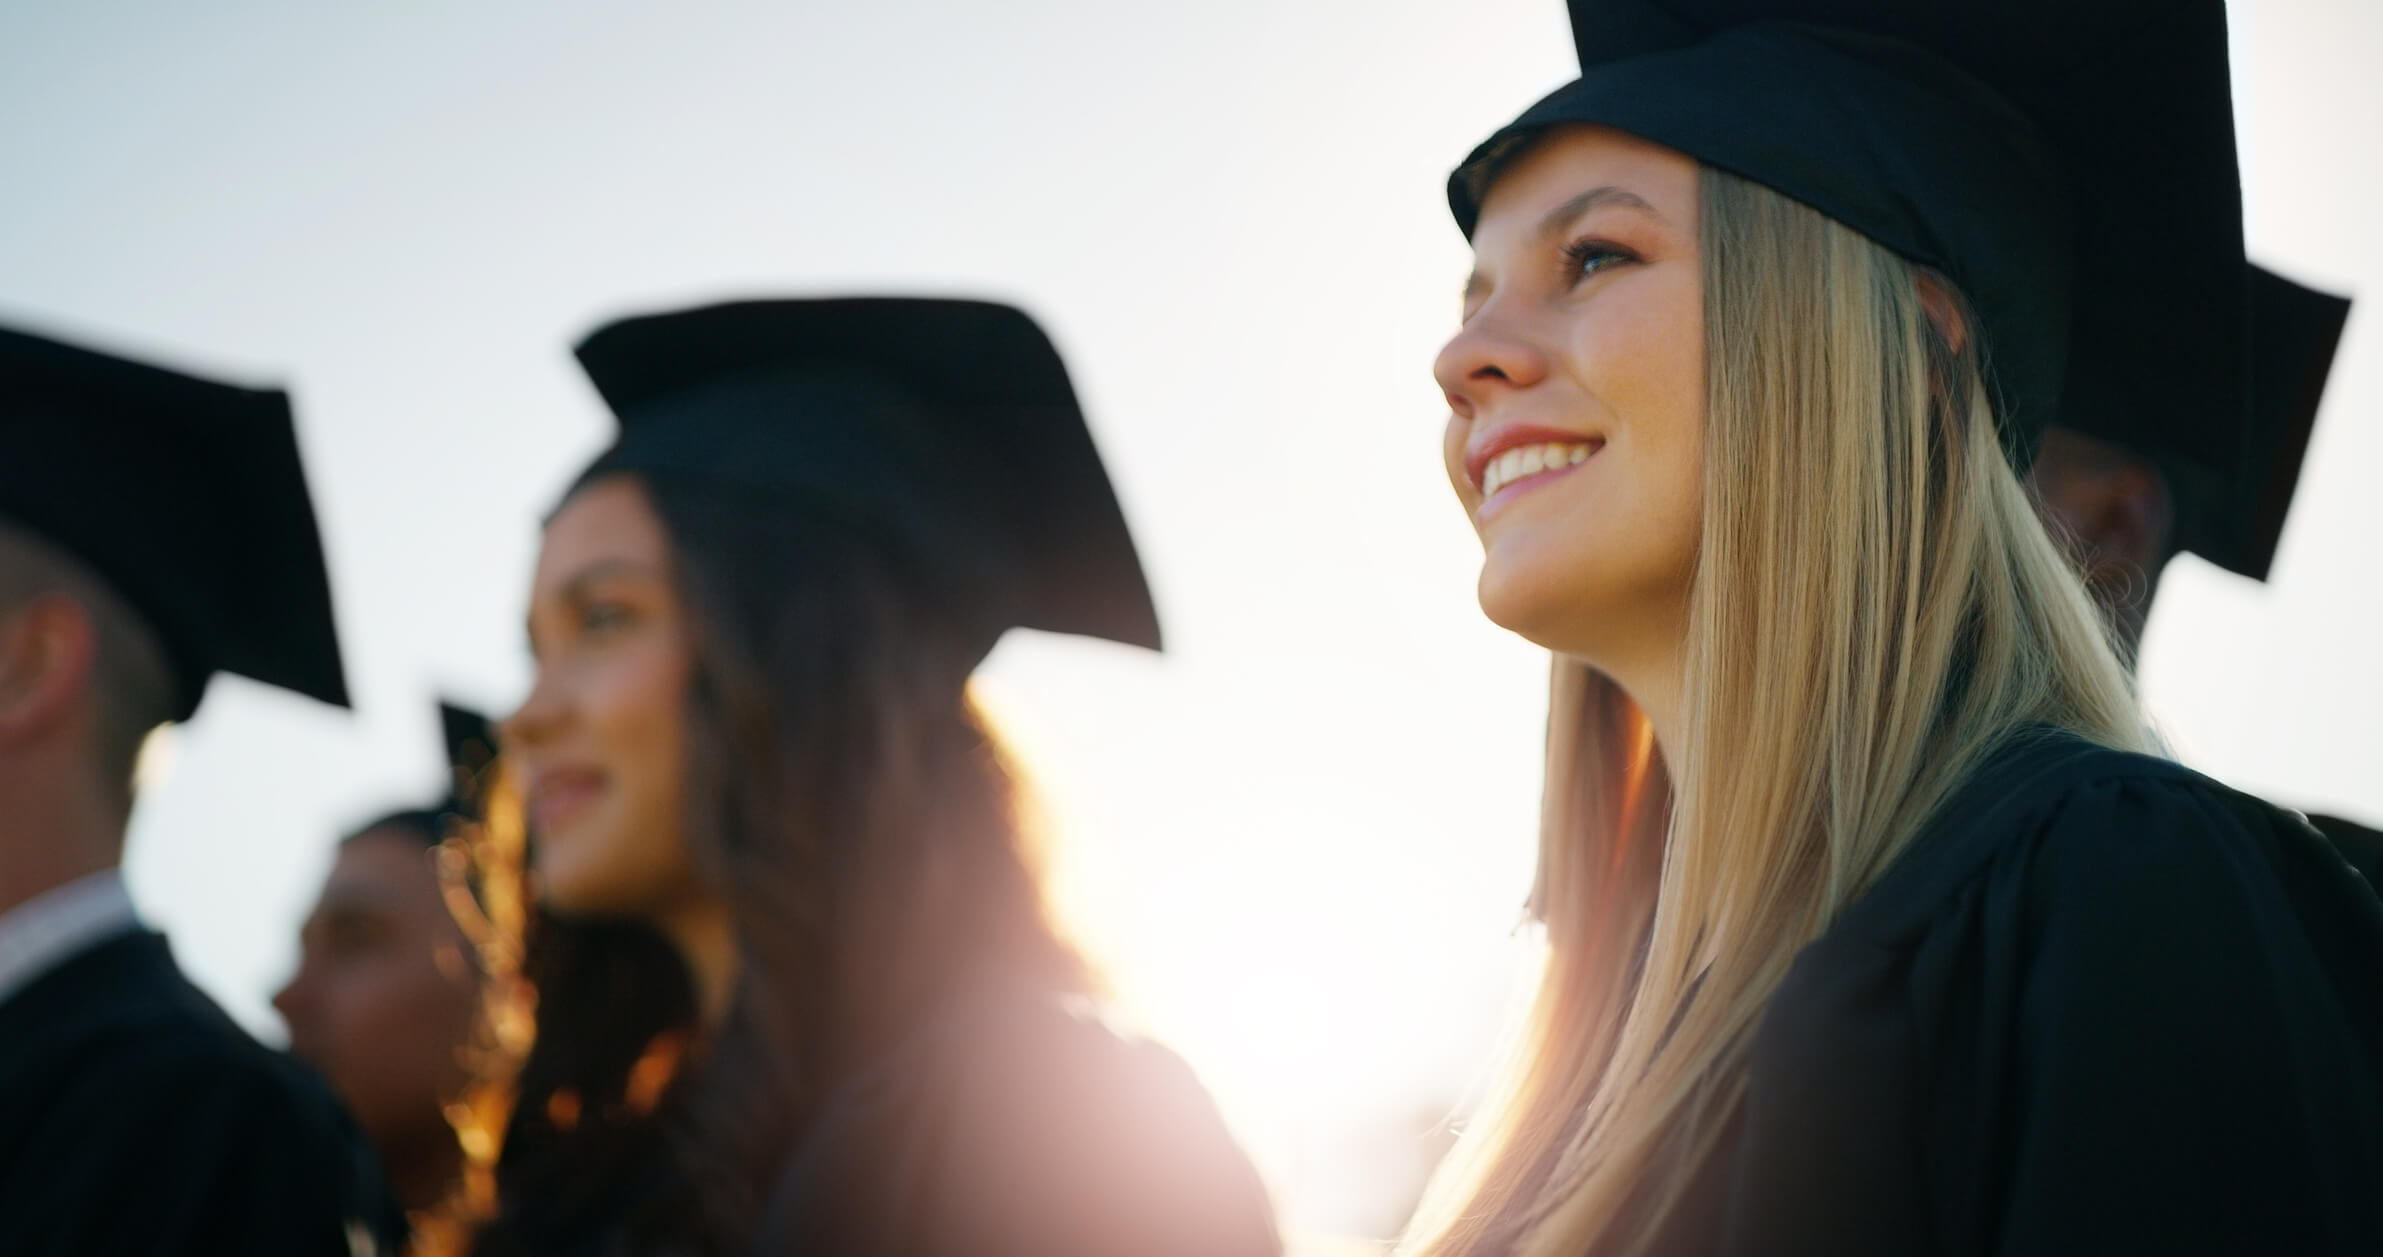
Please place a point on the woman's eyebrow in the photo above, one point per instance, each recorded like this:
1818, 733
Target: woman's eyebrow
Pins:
1600, 197
601, 570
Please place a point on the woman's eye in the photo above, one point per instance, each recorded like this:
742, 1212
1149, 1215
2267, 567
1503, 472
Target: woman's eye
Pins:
1583, 258
599, 617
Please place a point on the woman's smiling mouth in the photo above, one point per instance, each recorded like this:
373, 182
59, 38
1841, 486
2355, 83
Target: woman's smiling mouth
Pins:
1515, 460
557, 798
1527, 462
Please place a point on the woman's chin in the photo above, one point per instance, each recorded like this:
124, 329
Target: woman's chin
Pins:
563, 898
576, 891
1530, 604
610, 894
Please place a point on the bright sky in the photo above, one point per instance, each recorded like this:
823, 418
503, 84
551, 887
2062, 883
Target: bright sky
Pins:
1300, 838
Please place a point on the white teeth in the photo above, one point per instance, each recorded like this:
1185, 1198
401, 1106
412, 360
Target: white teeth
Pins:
1530, 460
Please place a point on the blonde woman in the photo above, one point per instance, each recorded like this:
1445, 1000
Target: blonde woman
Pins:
1873, 927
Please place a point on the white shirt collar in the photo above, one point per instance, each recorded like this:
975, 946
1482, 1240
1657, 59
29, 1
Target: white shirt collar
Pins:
45, 931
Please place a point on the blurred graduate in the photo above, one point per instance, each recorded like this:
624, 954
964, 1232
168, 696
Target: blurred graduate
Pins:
155, 529
387, 996
1873, 925
797, 987
2127, 506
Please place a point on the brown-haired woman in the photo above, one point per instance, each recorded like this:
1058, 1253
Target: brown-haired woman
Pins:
797, 989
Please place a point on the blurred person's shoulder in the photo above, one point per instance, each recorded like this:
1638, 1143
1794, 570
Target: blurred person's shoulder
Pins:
138, 1113
1024, 1121
124, 1006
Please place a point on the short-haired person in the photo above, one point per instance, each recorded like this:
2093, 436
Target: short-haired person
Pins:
154, 530
388, 988
1872, 926
797, 987
2126, 514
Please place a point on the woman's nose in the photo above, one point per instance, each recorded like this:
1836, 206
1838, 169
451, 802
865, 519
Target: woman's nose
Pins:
1488, 356
535, 719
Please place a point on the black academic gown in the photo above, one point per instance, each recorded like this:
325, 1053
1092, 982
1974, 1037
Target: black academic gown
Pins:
2361, 846
1020, 1125
2103, 1005
135, 1118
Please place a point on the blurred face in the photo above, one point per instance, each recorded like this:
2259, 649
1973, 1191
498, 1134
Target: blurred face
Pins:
599, 742
386, 990
1576, 386
2113, 510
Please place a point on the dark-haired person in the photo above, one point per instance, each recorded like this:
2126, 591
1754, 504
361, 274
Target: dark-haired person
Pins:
388, 985
1874, 926
2127, 514
797, 990
154, 530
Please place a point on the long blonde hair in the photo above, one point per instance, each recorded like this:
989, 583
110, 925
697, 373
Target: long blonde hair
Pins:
1875, 609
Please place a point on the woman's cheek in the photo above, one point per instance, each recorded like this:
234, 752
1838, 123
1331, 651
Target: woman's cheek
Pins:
652, 718
1452, 460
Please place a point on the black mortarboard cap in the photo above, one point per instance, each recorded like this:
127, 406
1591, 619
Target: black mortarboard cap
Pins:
943, 430
187, 497
2069, 164
2236, 520
471, 750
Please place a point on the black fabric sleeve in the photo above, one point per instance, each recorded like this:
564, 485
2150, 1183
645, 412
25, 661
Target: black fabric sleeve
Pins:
2189, 1081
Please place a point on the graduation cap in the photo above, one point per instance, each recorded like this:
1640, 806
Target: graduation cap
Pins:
471, 752
2236, 521
187, 497
2068, 164
944, 430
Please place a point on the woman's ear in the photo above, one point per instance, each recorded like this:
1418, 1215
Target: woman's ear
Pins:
1936, 297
